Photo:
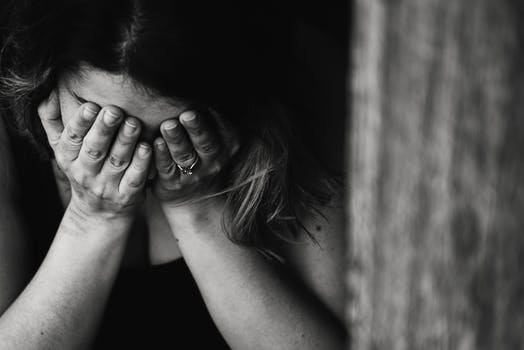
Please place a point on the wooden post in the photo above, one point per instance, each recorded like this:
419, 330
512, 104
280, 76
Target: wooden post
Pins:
436, 175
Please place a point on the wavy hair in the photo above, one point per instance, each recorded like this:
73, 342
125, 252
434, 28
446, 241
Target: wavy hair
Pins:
215, 52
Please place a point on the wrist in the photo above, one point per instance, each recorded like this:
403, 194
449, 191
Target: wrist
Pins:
77, 219
99, 211
198, 217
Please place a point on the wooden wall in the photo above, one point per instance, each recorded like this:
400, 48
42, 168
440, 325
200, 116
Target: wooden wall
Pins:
436, 175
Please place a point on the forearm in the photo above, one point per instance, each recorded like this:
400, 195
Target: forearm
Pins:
61, 306
254, 304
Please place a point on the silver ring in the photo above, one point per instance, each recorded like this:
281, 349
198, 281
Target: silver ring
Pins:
187, 170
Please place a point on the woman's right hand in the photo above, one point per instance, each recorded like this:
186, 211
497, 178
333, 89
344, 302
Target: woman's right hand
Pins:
107, 178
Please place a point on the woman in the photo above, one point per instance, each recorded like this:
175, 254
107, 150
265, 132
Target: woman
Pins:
192, 213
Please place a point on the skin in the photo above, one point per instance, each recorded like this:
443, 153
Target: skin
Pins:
255, 303
62, 304
109, 90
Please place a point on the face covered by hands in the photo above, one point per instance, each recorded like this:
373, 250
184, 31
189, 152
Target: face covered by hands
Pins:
95, 152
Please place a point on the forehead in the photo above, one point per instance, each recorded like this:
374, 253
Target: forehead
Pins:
119, 90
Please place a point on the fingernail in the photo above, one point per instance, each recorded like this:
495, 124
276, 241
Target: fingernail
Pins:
160, 145
143, 150
130, 127
188, 117
111, 118
170, 127
90, 111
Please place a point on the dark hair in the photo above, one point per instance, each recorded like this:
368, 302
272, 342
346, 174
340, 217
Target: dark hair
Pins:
219, 53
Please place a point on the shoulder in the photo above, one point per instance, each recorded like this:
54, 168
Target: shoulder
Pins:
318, 261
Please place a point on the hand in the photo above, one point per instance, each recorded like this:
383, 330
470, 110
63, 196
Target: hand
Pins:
107, 178
190, 156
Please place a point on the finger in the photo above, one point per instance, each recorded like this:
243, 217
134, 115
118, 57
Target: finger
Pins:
75, 130
97, 141
49, 113
178, 143
122, 150
164, 164
136, 174
204, 140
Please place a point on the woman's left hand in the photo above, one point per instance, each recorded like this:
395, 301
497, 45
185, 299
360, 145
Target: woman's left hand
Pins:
190, 157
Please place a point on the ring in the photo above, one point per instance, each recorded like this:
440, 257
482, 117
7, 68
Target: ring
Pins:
187, 170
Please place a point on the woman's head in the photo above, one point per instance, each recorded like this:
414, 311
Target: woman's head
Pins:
154, 59
205, 52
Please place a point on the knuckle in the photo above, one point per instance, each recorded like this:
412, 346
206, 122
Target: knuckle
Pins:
139, 166
208, 147
98, 191
60, 161
78, 177
173, 185
125, 200
94, 154
166, 166
134, 183
196, 129
117, 162
73, 135
184, 157
122, 198
53, 140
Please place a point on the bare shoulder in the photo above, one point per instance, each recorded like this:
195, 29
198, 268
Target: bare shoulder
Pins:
319, 262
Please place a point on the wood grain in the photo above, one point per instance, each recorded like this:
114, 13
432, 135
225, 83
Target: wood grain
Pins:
436, 175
